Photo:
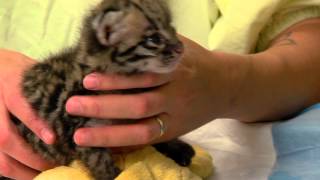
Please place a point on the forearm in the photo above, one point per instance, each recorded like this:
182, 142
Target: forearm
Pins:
277, 82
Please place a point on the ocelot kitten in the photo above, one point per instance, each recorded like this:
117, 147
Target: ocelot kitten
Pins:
118, 36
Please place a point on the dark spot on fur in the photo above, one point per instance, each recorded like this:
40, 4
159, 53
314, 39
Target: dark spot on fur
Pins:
54, 98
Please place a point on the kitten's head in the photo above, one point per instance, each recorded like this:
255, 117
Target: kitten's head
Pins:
136, 34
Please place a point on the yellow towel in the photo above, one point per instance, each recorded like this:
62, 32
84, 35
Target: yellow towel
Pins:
143, 164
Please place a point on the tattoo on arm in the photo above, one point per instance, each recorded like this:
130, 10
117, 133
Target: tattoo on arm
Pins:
285, 40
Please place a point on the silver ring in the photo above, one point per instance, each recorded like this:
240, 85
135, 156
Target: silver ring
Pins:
162, 126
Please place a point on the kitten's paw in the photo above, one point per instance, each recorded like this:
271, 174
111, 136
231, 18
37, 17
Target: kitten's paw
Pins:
4, 178
177, 150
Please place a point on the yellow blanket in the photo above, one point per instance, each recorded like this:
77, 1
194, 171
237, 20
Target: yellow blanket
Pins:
40, 27
145, 164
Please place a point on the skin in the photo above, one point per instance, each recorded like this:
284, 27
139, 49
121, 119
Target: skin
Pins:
17, 160
206, 85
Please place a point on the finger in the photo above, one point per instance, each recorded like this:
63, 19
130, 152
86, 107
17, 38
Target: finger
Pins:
140, 133
135, 106
13, 145
15, 170
97, 81
24, 112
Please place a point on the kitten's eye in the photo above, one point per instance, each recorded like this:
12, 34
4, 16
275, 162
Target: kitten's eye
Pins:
155, 38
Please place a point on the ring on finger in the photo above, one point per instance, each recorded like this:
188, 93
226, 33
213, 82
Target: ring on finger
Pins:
161, 125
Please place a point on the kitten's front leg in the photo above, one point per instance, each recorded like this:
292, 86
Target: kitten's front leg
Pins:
99, 162
177, 150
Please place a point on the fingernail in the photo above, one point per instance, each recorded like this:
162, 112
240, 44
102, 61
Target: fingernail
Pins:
74, 106
91, 82
81, 137
47, 136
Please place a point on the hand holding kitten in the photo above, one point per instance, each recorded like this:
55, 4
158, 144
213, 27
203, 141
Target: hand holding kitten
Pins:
182, 99
17, 159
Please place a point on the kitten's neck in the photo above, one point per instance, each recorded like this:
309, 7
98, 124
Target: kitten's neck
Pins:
92, 63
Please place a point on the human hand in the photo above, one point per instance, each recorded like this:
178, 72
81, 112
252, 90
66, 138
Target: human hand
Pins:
17, 159
208, 85
183, 100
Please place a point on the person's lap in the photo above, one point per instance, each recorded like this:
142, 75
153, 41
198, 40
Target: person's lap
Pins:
297, 144
285, 150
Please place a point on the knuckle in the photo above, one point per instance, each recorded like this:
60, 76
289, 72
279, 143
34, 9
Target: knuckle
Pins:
95, 108
5, 168
151, 79
109, 79
10, 101
31, 120
39, 165
13, 98
146, 134
142, 108
4, 139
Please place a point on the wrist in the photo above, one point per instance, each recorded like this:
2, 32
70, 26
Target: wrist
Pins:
228, 76
218, 79
264, 87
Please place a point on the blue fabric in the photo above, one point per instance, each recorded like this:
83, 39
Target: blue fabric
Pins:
297, 144
316, 106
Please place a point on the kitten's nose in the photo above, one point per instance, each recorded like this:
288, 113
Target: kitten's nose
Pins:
177, 47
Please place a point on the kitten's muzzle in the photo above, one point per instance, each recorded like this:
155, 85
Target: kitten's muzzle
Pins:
177, 48
173, 50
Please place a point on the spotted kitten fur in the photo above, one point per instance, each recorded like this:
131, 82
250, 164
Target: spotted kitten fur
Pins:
119, 36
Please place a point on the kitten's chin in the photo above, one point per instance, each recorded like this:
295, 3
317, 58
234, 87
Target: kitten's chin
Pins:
152, 65
164, 69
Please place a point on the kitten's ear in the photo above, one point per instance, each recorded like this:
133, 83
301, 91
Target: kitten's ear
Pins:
104, 23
